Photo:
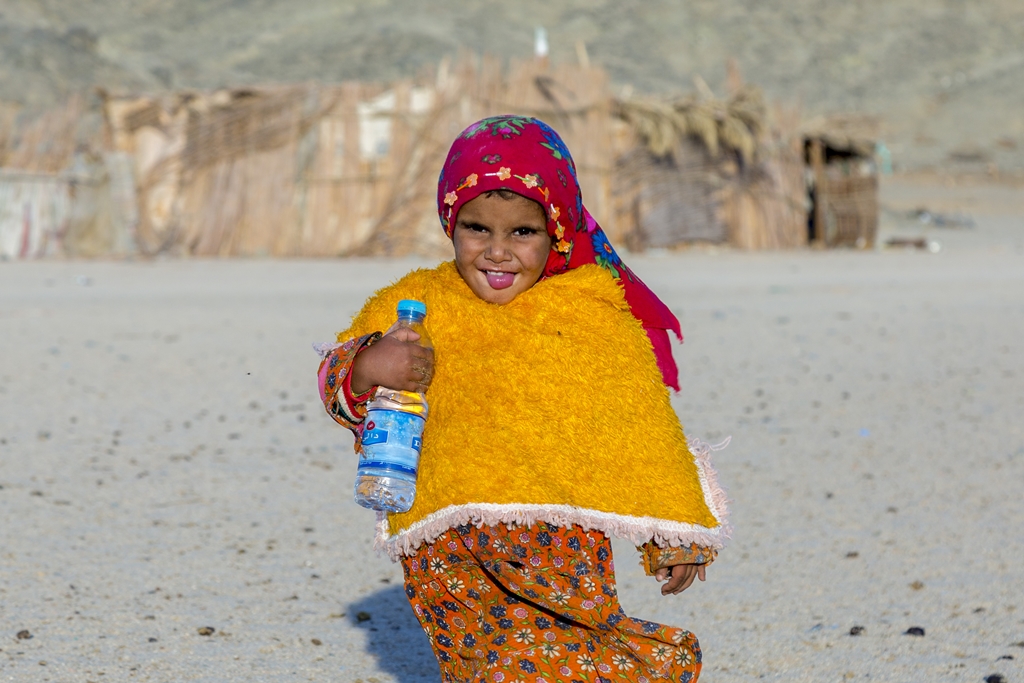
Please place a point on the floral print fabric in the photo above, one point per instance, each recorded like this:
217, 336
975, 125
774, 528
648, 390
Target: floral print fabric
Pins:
334, 378
653, 558
537, 603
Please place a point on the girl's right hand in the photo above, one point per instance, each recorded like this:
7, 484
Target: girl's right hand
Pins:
679, 577
396, 362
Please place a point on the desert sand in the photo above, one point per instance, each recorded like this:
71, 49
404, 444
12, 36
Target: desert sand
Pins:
165, 464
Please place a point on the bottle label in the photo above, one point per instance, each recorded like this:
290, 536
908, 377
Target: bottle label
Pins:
374, 437
392, 440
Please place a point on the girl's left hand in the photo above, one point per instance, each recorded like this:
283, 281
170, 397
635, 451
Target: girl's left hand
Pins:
679, 577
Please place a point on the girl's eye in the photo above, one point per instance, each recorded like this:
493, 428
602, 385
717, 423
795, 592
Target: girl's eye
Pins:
525, 232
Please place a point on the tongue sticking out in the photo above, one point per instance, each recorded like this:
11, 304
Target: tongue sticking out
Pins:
500, 280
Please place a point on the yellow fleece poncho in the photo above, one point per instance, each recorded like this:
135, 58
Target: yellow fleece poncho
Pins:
549, 408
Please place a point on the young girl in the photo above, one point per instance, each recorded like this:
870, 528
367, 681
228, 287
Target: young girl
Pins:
550, 429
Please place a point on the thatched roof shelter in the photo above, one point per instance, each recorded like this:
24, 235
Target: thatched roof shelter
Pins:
711, 169
735, 124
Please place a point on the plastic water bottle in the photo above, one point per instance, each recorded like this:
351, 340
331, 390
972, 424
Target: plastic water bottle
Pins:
393, 434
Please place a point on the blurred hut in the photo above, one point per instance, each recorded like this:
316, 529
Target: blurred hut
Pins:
63, 191
218, 174
350, 169
34, 210
703, 169
843, 180
331, 170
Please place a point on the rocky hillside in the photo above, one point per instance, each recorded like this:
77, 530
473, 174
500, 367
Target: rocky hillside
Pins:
945, 76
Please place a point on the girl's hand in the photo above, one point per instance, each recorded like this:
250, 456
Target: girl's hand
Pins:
395, 362
679, 577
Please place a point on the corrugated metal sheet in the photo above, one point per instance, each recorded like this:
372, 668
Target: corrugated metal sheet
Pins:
34, 212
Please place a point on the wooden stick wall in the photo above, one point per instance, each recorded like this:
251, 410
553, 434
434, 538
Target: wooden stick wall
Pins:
351, 169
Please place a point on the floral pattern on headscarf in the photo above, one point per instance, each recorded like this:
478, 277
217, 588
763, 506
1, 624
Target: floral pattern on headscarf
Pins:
530, 158
527, 156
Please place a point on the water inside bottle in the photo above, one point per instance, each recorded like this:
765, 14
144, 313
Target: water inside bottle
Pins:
385, 493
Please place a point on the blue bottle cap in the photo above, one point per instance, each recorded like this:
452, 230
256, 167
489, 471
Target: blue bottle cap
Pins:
408, 306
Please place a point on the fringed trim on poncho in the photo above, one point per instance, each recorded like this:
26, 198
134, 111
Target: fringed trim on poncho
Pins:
638, 530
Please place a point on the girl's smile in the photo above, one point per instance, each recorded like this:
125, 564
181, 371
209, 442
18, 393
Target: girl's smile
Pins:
501, 245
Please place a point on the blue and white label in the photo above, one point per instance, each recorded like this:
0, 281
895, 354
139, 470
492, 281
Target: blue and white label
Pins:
392, 440
374, 436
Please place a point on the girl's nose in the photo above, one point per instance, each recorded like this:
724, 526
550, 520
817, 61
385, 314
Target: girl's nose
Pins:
497, 252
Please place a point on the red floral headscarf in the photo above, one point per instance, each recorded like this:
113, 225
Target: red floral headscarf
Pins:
528, 157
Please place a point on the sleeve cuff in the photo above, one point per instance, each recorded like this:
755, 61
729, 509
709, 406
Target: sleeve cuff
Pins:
355, 404
335, 378
653, 558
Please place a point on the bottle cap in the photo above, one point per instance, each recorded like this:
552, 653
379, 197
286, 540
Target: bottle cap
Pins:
408, 306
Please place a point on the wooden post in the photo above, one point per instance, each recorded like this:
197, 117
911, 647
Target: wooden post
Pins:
818, 166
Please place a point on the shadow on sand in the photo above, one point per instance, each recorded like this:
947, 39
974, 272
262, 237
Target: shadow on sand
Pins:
394, 637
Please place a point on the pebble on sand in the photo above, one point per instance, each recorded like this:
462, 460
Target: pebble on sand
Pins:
856, 630
995, 678
205, 630
24, 634
914, 631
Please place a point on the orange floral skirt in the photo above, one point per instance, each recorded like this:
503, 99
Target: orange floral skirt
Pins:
508, 603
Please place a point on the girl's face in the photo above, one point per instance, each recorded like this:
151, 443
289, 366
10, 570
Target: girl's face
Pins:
501, 245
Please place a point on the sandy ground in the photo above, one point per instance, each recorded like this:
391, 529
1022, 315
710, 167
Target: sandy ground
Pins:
165, 465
